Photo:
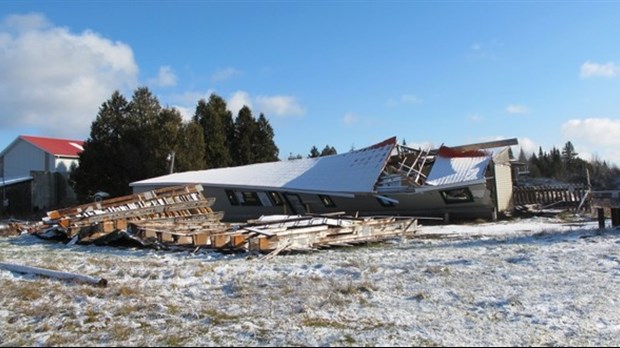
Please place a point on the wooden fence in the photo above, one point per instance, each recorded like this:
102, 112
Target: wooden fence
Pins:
547, 196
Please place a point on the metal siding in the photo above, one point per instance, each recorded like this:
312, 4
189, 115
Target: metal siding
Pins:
453, 170
503, 184
503, 179
23, 158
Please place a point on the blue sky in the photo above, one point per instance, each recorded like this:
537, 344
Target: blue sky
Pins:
342, 73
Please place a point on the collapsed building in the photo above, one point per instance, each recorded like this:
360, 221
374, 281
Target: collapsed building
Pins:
385, 179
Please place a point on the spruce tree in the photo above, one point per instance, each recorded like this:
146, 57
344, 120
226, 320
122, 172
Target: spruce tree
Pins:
265, 148
245, 135
328, 150
101, 165
314, 152
190, 149
216, 122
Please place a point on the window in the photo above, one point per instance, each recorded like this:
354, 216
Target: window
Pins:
385, 203
327, 201
250, 198
232, 197
460, 195
275, 198
243, 198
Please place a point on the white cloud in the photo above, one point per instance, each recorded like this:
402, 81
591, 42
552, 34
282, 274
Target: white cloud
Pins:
591, 69
517, 109
225, 74
237, 101
475, 118
595, 135
187, 101
410, 99
598, 131
165, 78
528, 146
54, 80
350, 118
484, 50
186, 112
279, 105
404, 99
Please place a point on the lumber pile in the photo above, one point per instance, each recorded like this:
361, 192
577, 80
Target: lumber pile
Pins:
276, 233
119, 218
182, 217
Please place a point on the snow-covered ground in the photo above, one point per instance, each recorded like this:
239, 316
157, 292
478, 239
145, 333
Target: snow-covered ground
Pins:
532, 282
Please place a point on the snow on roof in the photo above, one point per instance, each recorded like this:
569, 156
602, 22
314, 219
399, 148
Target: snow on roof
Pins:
351, 172
451, 170
56, 146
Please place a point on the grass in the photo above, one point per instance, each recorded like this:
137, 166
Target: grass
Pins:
322, 322
218, 317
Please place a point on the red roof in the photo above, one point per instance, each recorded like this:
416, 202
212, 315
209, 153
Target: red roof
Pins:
56, 146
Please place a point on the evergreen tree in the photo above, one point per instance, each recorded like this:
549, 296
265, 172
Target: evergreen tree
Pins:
190, 153
139, 146
101, 165
166, 134
568, 152
131, 141
314, 152
245, 135
328, 150
265, 148
218, 131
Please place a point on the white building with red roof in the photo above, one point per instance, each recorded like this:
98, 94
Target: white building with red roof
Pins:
33, 153
46, 161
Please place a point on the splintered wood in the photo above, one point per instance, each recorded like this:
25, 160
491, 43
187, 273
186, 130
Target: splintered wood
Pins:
182, 216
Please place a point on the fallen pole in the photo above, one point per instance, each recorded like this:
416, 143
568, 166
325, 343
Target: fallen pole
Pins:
54, 274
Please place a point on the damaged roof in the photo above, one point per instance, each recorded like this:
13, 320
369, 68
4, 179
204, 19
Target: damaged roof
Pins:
352, 172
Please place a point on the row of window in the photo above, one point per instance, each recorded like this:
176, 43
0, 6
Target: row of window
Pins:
269, 198
274, 199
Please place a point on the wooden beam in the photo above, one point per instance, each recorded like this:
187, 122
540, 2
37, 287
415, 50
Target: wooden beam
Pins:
486, 145
53, 274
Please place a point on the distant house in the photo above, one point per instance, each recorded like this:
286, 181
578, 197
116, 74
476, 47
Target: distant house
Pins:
34, 172
382, 179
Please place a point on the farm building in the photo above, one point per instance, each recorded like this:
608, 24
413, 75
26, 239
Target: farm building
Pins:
383, 179
34, 172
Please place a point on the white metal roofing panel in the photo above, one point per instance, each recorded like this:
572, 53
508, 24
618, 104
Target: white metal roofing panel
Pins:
355, 171
15, 180
452, 170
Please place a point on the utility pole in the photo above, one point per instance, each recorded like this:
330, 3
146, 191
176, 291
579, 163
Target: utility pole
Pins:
171, 159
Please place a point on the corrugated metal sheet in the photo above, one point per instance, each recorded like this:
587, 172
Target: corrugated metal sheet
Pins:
453, 170
351, 172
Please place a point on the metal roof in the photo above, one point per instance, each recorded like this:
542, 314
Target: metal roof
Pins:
13, 180
56, 146
352, 172
451, 170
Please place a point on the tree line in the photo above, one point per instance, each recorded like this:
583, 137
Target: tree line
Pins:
565, 165
137, 139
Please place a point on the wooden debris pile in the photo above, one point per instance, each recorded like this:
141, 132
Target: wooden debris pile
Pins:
302, 233
128, 217
182, 216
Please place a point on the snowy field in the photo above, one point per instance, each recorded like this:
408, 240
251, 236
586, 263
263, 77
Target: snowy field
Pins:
531, 282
